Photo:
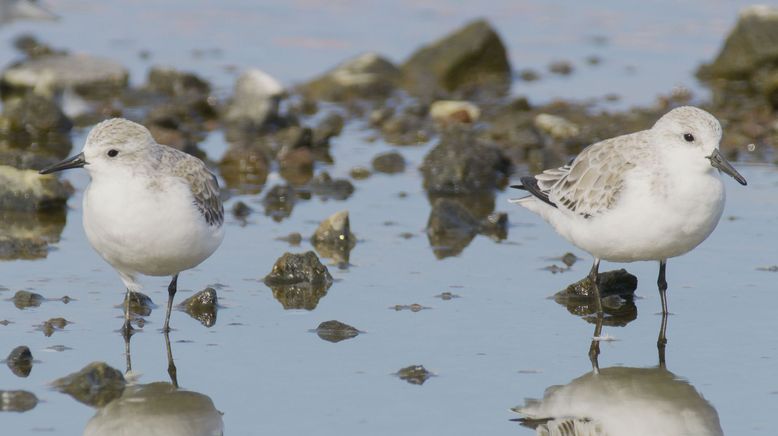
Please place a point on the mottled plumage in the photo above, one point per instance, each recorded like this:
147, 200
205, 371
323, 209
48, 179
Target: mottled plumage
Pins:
649, 195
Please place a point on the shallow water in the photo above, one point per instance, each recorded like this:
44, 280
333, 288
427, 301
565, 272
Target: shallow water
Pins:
502, 341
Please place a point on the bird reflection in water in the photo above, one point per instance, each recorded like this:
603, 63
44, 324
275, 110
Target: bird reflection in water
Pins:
158, 408
622, 401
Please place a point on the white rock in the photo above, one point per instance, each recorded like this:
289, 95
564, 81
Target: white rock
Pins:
255, 98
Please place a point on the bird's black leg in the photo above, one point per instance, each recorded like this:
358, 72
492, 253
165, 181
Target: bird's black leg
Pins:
171, 292
594, 348
127, 329
594, 277
171, 366
662, 284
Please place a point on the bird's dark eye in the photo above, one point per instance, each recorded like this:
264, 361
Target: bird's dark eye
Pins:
113, 152
688, 137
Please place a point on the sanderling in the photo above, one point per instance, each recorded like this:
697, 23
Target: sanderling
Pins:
149, 209
649, 195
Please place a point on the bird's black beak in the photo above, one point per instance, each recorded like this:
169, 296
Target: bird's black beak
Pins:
76, 161
718, 161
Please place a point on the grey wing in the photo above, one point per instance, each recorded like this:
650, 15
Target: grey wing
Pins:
591, 184
203, 184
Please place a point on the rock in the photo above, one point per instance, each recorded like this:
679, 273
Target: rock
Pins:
359, 173
333, 238
409, 127
17, 401
414, 374
245, 168
293, 238
470, 61
25, 299
20, 361
279, 202
49, 327
172, 82
329, 127
255, 99
459, 164
752, 44
241, 211
27, 235
26, 190
556, 127
529, 75
368, 76
33, 131
454, 111
299, 281
389, 163
336, 331
202, 306
298, 268
325, 187
140, 303
90, 76
563, 68
32, 47
617, 289
96, 385
450, 228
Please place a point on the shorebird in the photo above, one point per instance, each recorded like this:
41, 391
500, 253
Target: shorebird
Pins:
649, 195
149, 208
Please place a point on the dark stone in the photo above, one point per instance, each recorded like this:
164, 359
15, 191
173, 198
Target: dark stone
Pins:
459, 164
20, 361
751, 45
389, 163
25, 299
279, 202
33, 126
292, 268
617, 289
470, 61
140, 303
450, 228
241, 210
414, 374
329, 127
202, 306
172, 82
17, 401
96, 385
325, 187
336, 331
49, 327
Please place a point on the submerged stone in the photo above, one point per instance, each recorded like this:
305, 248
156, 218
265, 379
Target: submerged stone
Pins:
617, 290
49, 327
325, 187
202, 306
25, 299
336, 331
17, 401
19, 361
96, 385
618, 282
414, 374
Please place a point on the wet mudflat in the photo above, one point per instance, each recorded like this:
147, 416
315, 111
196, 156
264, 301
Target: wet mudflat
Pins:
450, 333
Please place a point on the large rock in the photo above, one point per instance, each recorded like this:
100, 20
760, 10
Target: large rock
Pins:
299, 281
470, 61
26, 190
368, 76
89, 76
753, 43
459, 164
254, 99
